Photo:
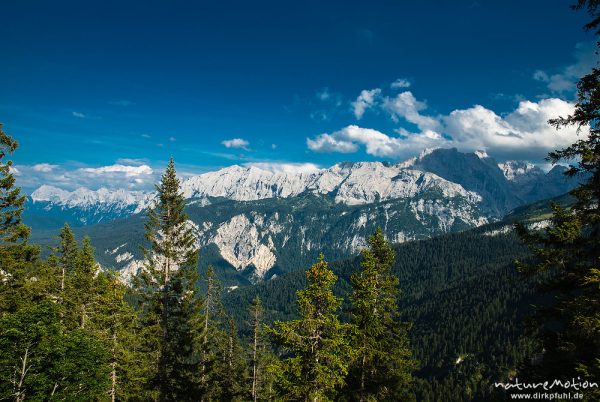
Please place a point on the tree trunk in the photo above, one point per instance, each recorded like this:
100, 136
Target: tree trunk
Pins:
205, 335
254, 362
362, 377
113, 366
19, 393
162, 370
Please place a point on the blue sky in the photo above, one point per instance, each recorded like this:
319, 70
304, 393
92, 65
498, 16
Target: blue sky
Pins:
101, 91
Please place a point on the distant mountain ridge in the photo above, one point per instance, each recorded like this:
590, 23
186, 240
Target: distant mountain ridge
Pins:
255, 224
499, 187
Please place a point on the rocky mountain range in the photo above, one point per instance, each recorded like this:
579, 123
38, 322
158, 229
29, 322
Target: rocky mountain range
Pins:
254, 224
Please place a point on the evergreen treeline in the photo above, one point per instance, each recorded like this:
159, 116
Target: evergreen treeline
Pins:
569, 326
70, 330
463, 296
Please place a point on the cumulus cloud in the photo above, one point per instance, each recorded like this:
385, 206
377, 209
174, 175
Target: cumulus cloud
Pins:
565, 79
407, 107
79, 115
367, 99
236, 143
400, 83
350, 138
523, 133
44, 167
285, 167
70, 177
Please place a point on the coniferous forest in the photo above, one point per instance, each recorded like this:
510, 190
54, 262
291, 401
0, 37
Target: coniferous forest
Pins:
439, 319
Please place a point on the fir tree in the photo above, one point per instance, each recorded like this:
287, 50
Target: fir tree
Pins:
16, 256
261, 358
233, 370
114, 323
256, 312
214, 342
569, 249
82, 291
170, 303
384, 361
12, 229
67, 254
317, 345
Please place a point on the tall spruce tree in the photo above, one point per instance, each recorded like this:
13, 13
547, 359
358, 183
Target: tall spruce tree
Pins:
256, 342
232, 370
262, 361
114, 321
569, 249
383, 365
317, 345
16, 256
167, 285
82, 291
67, 254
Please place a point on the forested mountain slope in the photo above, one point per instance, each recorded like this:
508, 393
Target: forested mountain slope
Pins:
463, 295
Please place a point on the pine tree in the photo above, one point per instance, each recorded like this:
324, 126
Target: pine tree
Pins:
170, 303
12, 229
81, 287
384, 361
214, 342
569, 249
317, 343
256, 312
233, 370
67, 254
261, 358
114, 322
16, 256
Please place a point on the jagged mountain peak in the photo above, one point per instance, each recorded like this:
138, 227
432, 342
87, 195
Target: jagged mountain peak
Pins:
520, 171
474, 176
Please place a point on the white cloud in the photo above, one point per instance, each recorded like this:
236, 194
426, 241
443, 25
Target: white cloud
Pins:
400, 83
367, 99
70, 177
350, 138
236, 143
44, 167
79, 115
172, 139
285, 167
329, 143
124, 169
406, 106
565, 80
525, 132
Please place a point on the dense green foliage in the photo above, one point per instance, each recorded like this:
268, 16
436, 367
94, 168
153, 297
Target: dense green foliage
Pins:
316, 346
170, 304
463, 296
570, 247
381, 370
